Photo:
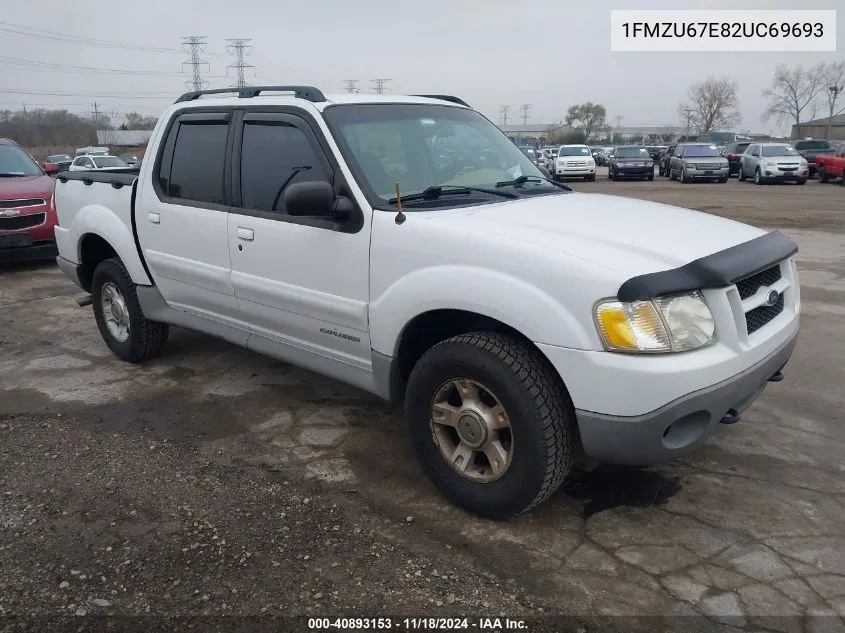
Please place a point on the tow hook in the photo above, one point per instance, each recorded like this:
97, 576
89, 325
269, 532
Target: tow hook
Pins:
731, 417
776, 377
83, 299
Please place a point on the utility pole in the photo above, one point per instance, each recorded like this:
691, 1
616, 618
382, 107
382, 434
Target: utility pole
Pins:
688, 112
834, 93
380, 84
504, 113
239, 47
194, 45
526, 112
351, 85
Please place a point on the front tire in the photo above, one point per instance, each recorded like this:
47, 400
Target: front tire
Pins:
590, 178
491, 424
124, 328
758, 177
822, 174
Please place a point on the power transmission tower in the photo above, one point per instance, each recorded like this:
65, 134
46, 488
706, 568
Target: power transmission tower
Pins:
504, 113
194, 45
95, 113
239, 47
350, 85
380, 84
526, 112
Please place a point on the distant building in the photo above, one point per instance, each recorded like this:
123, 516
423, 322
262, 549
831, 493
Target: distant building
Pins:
124, 138
817, 128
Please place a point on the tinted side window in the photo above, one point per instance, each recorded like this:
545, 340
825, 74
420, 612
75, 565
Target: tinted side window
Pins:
199, 155
275, 154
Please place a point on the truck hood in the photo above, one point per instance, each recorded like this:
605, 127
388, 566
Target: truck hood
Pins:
18, 188
624, 234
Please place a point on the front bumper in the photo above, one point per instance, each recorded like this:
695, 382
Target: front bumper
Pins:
679, 427
35, 252
772, 173
708, 174
620, 171
561, 170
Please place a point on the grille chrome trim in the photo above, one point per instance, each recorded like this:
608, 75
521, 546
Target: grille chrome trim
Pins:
24, 202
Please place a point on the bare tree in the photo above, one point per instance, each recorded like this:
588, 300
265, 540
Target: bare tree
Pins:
589, 117
711, 104
792, 91
832, 83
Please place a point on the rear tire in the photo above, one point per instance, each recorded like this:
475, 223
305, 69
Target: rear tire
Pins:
822, 172
535, 409
127, 332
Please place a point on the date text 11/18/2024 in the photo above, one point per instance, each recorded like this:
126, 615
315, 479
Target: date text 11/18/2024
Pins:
482, 624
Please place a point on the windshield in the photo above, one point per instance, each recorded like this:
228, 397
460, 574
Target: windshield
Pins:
16, 162
108, 161
420, 146
779, 150
574, 150
633, 152
701, 151
812, 145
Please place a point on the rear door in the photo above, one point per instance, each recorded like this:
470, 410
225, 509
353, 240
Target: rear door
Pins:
181, 216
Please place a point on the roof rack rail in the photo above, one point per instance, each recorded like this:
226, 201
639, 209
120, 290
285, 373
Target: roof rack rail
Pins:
309, 93
448, 98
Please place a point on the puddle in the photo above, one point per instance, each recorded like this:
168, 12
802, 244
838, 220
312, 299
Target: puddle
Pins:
606, 488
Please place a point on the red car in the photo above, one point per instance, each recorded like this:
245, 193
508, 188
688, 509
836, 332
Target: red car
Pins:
832, 166
27, 208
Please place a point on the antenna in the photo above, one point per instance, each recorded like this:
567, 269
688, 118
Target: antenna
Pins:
195, 44
400, 217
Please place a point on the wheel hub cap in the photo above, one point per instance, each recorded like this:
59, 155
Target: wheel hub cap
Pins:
472, 430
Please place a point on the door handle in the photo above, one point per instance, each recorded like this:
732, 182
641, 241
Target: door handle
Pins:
154, 218
245, 234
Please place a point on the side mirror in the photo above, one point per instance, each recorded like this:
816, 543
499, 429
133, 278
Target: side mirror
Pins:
51, 169
314, 199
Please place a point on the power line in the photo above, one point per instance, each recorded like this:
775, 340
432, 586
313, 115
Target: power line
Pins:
351, 85
380, 84
35, 65
195, 44
504, 113
29, 31
239, 47
526, 112
101, 95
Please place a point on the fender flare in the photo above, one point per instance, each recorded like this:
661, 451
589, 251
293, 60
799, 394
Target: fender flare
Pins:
95, 219
429, 289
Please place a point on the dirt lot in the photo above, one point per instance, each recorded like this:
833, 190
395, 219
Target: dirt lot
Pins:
213, 482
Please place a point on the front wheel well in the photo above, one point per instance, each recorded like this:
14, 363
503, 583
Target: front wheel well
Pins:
427, 329
93, 249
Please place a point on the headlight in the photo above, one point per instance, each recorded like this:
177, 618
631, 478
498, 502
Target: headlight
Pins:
770, 163
667, 324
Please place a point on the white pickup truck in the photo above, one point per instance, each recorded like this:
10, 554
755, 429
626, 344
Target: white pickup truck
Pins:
405, 246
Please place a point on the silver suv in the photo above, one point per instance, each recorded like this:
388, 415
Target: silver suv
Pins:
771, 162
698, 161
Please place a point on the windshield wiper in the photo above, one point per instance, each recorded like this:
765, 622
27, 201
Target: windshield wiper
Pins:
519, 181
435, 191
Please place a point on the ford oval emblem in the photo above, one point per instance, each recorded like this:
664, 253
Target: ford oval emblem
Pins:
772, 298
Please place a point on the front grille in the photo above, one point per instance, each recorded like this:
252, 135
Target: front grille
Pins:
748, 286
758, 317
16, 204
21, 222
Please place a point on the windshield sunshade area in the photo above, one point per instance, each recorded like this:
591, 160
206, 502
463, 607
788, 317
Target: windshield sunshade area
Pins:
16, 162
108, 161
633, 152
779, 150
426, 147
701, 151
575, 151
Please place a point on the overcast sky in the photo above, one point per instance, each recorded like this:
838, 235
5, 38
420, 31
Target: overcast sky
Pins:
489, 52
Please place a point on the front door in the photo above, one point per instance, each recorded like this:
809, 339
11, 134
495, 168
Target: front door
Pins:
302, 283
